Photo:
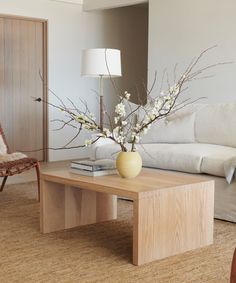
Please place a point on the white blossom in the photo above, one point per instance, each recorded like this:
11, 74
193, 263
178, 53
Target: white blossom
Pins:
167, 97
81, 118
158, 103
164, 111
135, 136
174, 89
137, 127
118, 135
86, 126
152, 116
120, 109
116, 119
155, 111
120, 139
137, 139
127, 95
145, 129
89, 127
92, 116
116, 130
88, 142
106, 132
124, 123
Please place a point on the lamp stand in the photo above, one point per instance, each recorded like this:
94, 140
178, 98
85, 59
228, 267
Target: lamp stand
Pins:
101, 101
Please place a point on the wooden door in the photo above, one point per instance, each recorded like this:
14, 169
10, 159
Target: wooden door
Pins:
22, 60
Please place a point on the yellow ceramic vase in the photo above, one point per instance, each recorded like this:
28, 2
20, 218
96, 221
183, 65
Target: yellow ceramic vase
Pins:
129, 164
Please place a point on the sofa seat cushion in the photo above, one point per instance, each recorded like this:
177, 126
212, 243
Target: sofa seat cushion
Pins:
213, 162
11, 157
191, 158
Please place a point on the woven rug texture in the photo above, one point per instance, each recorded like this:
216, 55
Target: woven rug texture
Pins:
96, 253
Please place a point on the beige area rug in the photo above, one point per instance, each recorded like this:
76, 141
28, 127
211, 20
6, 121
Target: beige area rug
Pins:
95, 253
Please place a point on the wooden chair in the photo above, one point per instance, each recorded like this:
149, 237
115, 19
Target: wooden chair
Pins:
233, 269
10, 167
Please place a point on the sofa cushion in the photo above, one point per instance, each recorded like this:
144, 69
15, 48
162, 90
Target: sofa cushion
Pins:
177, 130
108, 151
99, 143
213, 162
3, 148
215, 124
182, 111
11, 157
191, 158
180, 157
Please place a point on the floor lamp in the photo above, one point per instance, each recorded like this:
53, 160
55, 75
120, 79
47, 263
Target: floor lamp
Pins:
101, 63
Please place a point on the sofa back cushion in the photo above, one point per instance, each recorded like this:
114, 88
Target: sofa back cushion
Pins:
175, 130
185, 110
216, 124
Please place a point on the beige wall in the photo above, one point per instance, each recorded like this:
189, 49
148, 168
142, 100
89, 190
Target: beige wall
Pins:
108, 4
181, 29
131, 29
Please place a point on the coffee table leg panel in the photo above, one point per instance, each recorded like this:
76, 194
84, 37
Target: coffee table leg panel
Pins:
64, 207
171, 221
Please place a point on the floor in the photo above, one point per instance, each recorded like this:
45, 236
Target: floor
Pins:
96, 253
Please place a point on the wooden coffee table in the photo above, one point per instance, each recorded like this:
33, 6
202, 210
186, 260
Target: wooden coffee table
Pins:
173, 213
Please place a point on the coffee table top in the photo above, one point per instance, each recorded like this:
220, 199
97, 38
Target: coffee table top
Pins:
149, 180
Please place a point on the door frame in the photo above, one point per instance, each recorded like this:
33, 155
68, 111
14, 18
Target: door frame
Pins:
45, 75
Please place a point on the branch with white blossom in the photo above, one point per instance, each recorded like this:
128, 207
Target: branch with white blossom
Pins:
121, 128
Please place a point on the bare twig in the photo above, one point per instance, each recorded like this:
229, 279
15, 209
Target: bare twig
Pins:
156, 108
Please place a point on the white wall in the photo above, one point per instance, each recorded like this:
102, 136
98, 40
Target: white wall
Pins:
69, 31
108, 4
181, 29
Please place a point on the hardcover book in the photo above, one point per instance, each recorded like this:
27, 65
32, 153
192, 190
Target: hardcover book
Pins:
97, 165
93, 173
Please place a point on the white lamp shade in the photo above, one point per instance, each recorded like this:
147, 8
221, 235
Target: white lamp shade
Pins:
101, 62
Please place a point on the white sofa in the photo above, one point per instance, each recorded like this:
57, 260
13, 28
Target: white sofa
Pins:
199, 139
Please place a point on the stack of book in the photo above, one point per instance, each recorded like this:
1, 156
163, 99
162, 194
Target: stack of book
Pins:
93, 168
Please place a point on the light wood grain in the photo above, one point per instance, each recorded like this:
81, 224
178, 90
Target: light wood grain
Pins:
148, 181
64, 207
22, 52
45, 91
2, 79
173, 213
17, 17
169, 222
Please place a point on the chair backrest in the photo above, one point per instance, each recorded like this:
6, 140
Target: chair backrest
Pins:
3, 144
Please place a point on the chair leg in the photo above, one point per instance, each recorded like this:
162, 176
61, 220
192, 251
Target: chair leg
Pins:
37, 167
3, 183
233, 269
